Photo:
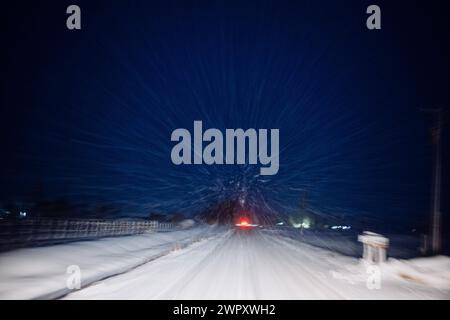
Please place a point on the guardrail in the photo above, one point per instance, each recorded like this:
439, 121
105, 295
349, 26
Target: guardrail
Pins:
33, 232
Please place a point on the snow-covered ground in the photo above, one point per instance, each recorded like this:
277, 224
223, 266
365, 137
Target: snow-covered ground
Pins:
402, 246
41, 272
222, 264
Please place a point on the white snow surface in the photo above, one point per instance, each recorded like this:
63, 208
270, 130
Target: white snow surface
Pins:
41, 272
212, 263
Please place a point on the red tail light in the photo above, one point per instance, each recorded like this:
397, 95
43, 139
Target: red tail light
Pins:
244, 223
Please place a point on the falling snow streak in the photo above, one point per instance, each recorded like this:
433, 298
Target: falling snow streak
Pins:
350, 136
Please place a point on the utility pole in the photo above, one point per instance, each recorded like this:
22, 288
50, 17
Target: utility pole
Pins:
436, 229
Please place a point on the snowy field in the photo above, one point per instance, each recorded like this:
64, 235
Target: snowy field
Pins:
211, 263
40, 273
345, 242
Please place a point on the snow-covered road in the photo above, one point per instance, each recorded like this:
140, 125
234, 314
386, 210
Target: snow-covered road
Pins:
238, 264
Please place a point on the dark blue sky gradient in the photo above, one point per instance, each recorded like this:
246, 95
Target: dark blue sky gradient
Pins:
87, 115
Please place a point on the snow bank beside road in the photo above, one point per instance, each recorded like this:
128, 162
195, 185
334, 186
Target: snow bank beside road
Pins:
346, 242
431, 271
41, 273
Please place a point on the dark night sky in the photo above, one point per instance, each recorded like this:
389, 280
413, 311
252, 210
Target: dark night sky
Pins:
87, 115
